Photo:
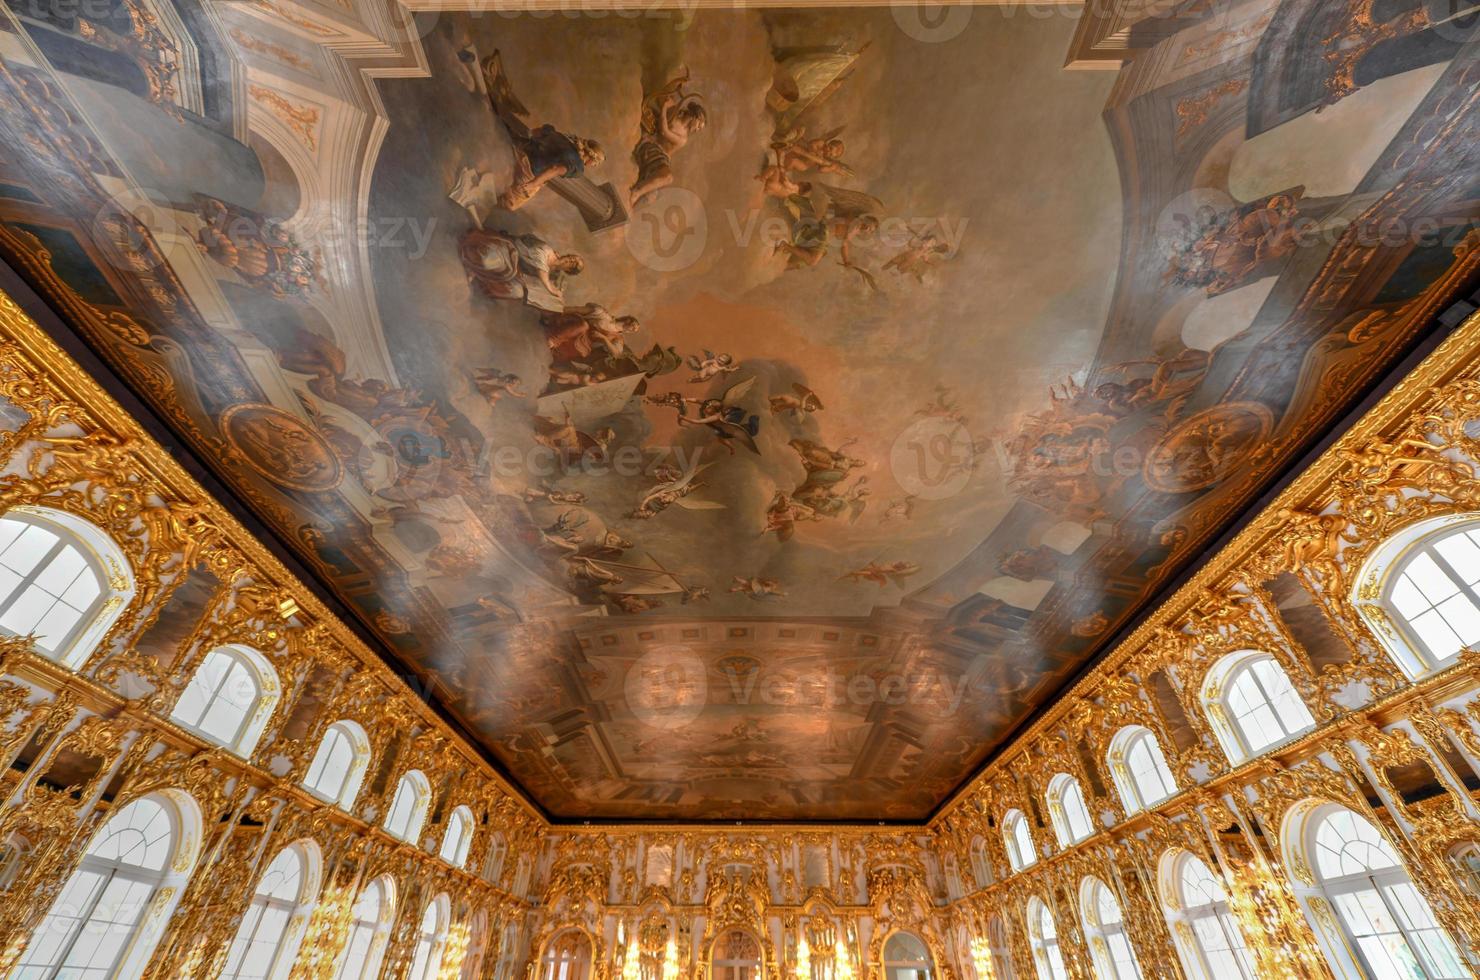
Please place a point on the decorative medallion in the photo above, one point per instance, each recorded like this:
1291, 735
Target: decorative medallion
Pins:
281, 447
1206, 447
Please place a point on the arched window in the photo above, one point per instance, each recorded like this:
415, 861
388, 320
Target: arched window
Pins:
1139, 769
458, 837
493, 865
431, 939
61, 579
1253, 705
369, 931
477, 948
1019, 840
1001, 953
266, 942
1066, 809
907, 958
230, 698
111, 912
736, 955
1426, 580
1043, 940
12, 854
1383, 918
409, 807
1209, 940
981, 864
1104, 928
338, 766
567, 957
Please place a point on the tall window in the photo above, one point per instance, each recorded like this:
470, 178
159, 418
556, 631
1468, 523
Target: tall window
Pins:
111, 912
61, 579
458, 837
736, 956
229, 699
1386, 921
267, 940
1211, 945
493, 866
409, 807
1427, 578
1066, 809
907, 958
369, 930
1253, 705
1043, 939
981, 865
567, 957
1139, 769
338, 766
1001, 953
431, 937
1019, 840
1104, 928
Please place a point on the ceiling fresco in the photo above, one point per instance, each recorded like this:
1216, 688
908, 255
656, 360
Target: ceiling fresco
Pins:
743, 413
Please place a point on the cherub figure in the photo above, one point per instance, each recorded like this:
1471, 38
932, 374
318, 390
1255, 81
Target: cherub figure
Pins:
757, 588
711, 366
898, 510
494, 384
724, 416
919, 255
802, 401
825, 215
669, 118
823, 154
540, 155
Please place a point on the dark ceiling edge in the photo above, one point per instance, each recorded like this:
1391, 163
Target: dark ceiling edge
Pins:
72, 343
1444, 324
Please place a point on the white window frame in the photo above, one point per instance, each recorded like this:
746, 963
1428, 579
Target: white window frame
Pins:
366, 964
243, 741
1225, 676
1133, 795
1048, 955
295, 910
1188, 919
348, 789
1017, 837
431, 942
1382, 888
1380, 574
103, 557
455, 850
413, 781
1061, 789
1107, 941
165, 883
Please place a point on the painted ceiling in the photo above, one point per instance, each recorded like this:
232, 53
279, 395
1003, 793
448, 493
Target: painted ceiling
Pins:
743, 413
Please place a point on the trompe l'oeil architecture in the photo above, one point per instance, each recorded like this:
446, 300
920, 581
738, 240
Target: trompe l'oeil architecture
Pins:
739, 492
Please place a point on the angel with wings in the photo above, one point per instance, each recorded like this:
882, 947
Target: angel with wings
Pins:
724, 416
827, 214
674, 491
796, 153
881, 573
